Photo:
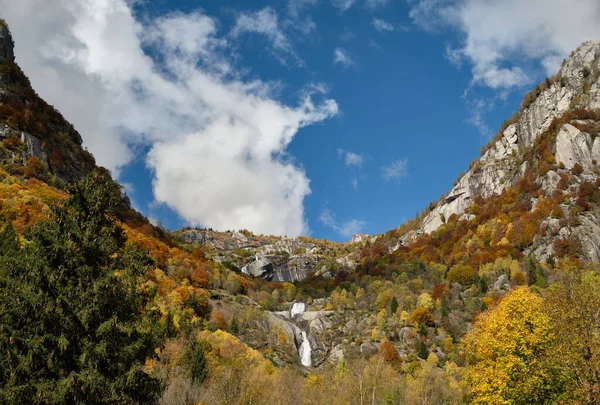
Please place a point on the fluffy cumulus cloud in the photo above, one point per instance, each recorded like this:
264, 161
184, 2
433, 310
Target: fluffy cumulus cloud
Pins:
217, 141
395, 171
501, 38
346, 228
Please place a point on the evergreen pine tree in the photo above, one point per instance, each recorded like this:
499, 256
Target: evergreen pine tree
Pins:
73, 325
194, 361
394, 305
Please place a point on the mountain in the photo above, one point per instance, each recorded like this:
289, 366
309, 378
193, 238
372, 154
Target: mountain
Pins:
489, 296
36, 136
551, 141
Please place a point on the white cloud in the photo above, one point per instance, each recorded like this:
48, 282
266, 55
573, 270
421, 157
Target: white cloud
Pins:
396, 171
501, 38
305, 26
350, 158
296, 6
346, 229
352, 161
295, 20
382, 26
477, 110
217, 140
342, 57
454, 56
373, 4
265, 22
343, 5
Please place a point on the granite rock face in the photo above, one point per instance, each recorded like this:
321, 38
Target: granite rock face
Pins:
275, 259
574, 146
498, 167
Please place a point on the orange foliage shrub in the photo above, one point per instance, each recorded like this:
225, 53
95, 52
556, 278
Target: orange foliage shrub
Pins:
34, 167
13, 143
421, 316
201, 277
27, 204
219, 321
157, 249
389, 353
461, 274
198, 254
577, 169
438, 291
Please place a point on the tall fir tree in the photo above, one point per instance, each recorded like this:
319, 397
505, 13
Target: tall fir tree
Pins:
74, 327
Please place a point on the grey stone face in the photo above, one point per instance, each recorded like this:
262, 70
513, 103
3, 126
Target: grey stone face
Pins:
502, 165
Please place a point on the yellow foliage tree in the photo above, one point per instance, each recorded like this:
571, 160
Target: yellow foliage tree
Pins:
505, 349
425, 301
381, 319
404, 316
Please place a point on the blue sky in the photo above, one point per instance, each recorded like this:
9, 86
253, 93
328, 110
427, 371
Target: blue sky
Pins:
350, 116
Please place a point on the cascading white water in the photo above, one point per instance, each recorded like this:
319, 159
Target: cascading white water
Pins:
297, 308
304, 351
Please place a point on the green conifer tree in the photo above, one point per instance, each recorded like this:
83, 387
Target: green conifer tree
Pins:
73, 324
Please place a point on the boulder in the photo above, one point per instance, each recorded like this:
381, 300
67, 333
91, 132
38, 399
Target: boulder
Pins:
261, 267
369, 348
336, 354
360, 237
501, 284
574, 146
405, 333
549, 183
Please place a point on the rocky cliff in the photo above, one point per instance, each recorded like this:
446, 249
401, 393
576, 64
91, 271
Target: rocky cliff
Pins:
505, 161
30, 128
274, 258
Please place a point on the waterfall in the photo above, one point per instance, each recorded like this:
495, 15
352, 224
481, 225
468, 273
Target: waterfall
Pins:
304, 351
297, 308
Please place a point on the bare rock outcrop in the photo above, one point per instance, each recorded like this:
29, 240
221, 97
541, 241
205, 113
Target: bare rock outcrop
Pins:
272, 258
574, 86
574, 146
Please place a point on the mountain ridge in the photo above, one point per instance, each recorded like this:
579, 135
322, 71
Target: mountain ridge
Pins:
34, 131
501, 164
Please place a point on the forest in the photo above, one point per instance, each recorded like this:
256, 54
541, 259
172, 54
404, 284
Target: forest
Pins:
99, 306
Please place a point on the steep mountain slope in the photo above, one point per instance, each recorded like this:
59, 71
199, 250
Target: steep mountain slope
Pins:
552, 136
35, 137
